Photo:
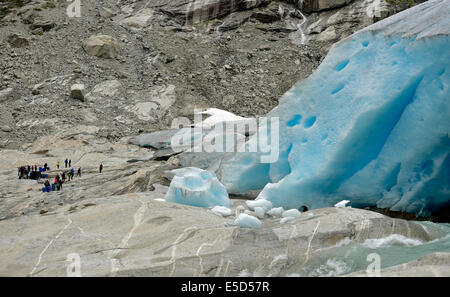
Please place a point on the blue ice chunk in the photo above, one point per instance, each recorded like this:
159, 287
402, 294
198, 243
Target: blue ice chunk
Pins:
197, 187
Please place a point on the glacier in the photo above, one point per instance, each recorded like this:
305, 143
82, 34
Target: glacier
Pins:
370, 125
196, 187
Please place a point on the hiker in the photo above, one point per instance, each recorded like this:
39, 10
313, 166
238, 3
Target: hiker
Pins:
70, 163
59, 184
101, 167
47, 183
63, 176
57, 164
45, 166
29, 168
79, 172
66, 161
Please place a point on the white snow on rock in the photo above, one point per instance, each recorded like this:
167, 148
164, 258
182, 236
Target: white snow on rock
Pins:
343, 203
217, 116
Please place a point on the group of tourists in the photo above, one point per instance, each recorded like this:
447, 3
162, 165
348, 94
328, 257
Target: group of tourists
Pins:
31, 171
36, 173
67, 162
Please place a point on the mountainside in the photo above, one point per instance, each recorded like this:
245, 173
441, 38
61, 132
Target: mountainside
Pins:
163, 58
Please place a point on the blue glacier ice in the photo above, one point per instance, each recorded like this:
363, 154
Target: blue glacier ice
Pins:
371, 125
197, 187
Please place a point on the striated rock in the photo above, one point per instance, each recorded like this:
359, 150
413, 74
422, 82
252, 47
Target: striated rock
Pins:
156, 238
103, 46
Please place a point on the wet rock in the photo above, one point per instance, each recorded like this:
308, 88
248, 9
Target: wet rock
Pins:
177, 240
435, 264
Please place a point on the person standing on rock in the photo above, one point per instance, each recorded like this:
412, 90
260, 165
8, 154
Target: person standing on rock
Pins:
66, 161
101, 167
79, 172
57, 164
70, 163
60, 183
45, 166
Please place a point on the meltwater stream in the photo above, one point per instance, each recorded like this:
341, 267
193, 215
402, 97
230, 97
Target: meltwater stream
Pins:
393, 250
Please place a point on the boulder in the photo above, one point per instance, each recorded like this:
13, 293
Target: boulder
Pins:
77, 92
18, 40
106, 13
6, 94
138, 21
103, 46
43, 22
108, 88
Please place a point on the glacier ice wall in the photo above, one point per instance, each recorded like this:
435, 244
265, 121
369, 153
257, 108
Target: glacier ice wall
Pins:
371, 125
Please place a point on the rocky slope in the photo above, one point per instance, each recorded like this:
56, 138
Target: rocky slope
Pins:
160, 60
